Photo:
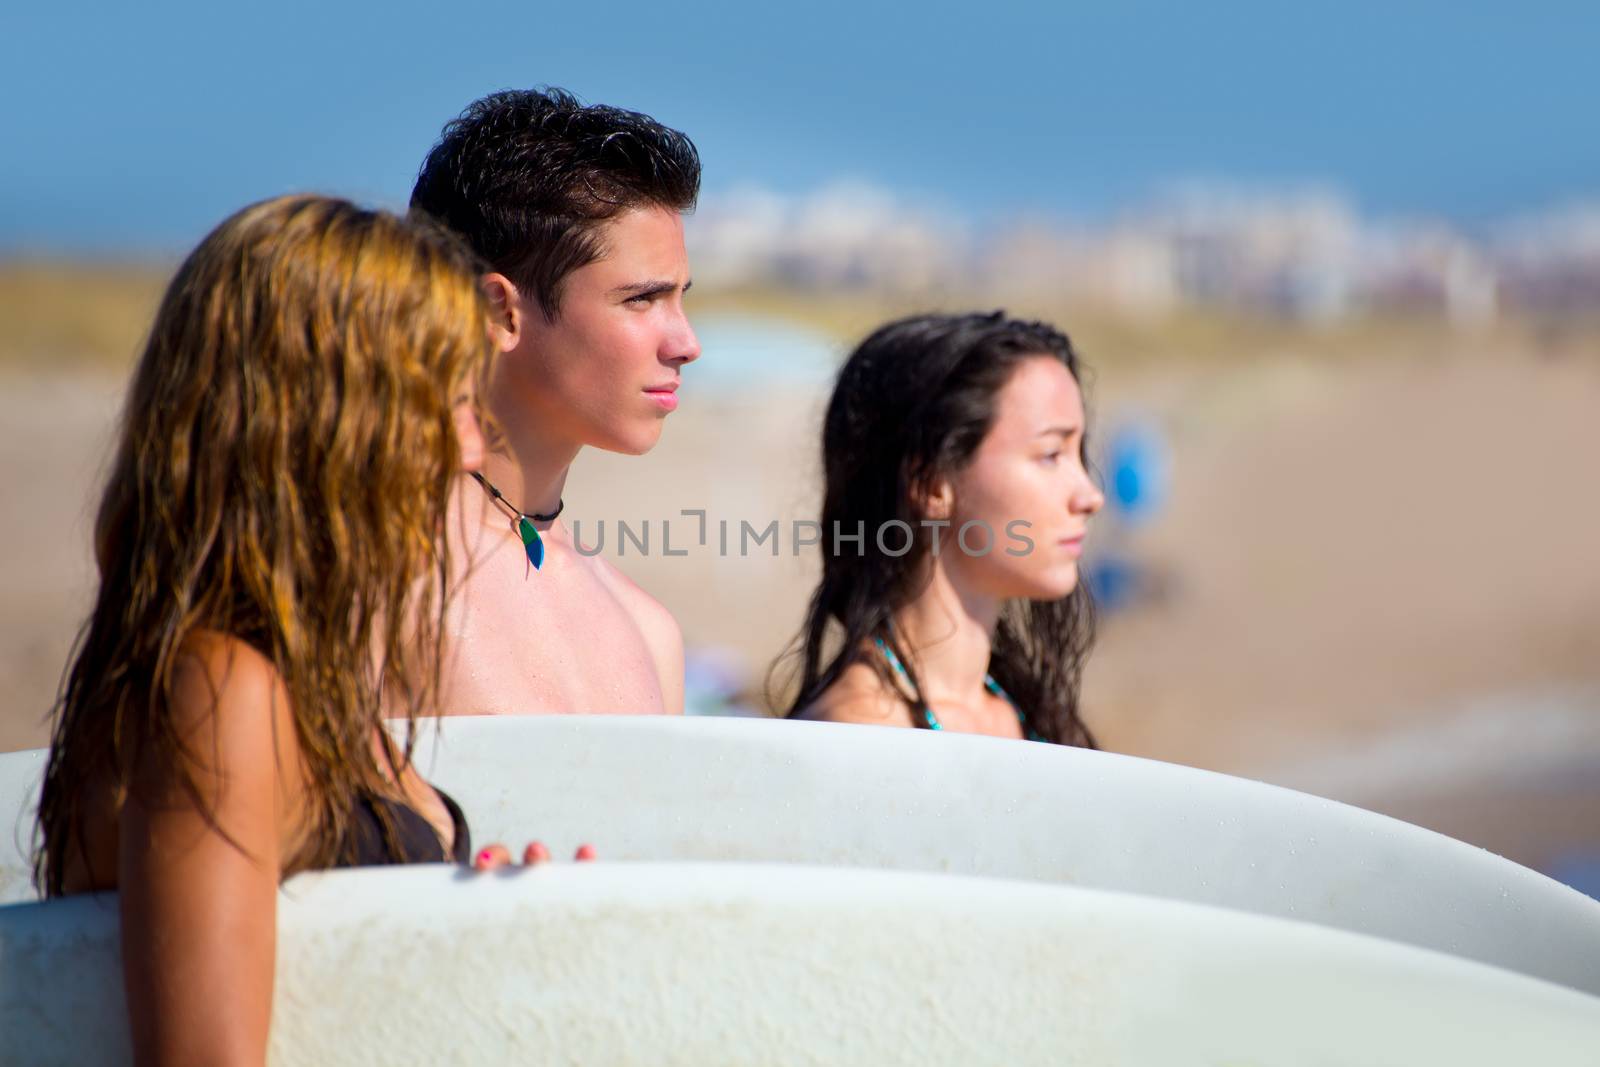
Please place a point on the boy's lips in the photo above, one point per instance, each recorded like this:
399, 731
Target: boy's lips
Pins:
665, 395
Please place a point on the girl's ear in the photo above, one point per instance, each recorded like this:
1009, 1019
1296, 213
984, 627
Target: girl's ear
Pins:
936, 501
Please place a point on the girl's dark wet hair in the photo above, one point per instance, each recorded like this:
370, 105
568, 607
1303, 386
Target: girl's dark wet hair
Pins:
910, 407
528, 176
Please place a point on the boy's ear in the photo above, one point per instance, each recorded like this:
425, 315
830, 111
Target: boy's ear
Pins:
507, 316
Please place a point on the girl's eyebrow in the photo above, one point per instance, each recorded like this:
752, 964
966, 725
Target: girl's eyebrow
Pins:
1064, 431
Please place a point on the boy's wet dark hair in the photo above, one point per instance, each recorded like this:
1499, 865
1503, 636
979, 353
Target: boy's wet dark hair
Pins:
529, 176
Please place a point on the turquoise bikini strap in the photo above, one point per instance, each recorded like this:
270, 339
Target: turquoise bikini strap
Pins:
932, 720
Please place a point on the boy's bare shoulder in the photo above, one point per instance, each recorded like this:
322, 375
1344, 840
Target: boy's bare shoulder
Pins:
646, 610
628, 591
656, 626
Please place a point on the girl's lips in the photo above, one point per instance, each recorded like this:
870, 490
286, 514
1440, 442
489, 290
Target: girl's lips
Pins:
1072, 544
667, 399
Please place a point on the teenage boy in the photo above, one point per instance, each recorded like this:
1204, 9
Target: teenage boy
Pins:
577, 212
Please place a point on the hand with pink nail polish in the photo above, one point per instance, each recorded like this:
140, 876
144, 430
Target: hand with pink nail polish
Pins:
493, 857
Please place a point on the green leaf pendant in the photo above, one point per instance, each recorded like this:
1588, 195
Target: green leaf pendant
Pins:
532, 543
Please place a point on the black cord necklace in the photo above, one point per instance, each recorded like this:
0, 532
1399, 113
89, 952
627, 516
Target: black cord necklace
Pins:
522, 522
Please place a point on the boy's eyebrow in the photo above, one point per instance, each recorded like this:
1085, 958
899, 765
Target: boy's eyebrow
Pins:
649, 288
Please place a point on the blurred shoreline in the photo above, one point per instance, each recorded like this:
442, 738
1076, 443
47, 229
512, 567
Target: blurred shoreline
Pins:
1381, 555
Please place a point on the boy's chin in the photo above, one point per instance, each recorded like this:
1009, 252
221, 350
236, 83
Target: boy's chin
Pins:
633, 443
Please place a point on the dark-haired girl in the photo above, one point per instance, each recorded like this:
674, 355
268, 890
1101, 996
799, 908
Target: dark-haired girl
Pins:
955, 507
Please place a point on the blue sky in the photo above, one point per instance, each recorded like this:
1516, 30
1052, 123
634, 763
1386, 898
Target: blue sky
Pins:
134, 127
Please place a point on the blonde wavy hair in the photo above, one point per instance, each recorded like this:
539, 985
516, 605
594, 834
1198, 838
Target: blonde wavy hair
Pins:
285, 456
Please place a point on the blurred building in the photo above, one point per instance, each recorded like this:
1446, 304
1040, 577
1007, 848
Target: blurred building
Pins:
841, 236
1551, 261
1302, 255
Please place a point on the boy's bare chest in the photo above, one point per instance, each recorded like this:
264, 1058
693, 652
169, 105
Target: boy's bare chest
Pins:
554, 641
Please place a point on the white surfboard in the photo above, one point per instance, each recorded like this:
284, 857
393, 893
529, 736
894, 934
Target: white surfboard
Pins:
822, 793
666, 789
20, 776
721, 963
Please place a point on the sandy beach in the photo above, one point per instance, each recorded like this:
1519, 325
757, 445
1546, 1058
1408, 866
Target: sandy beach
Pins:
1378, 579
